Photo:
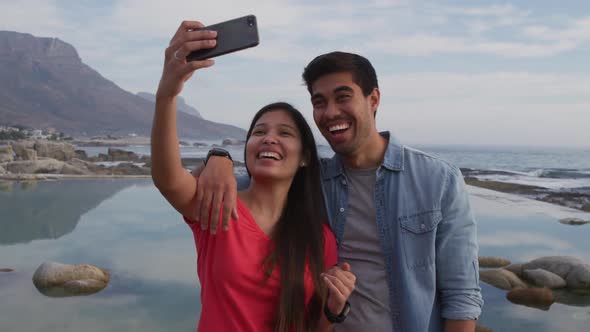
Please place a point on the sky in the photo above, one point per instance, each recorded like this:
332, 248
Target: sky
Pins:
450, 72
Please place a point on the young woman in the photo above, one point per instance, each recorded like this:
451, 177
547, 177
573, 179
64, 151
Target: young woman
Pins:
268, 271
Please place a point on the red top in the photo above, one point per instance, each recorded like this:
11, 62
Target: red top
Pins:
234, 294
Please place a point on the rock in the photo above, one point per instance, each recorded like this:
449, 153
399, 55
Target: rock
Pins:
130, 169
24, 150
579, 277
543, 278
6, 154
183, 143
231, 141
121, 155
80, 154
46, 166
191, 162
540, 298
2, 170
482, 328
572, 297
199, 144
515, 268
57, 280
488, 261
147, 160
103, 157
75, 168
59, 151
574, 221
6, 270
573, 270
29, 154
502, 279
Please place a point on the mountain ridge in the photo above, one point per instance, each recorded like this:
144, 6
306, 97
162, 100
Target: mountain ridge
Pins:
45, 84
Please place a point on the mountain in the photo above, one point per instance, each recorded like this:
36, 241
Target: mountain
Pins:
181, 104
45, 84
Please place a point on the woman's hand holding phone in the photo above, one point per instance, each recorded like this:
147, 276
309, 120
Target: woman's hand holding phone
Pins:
177, 70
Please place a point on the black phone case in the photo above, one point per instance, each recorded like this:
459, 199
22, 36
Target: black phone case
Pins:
232, 36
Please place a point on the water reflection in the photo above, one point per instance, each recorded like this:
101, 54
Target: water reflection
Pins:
521, 233
50, 210
135, 235
128, 228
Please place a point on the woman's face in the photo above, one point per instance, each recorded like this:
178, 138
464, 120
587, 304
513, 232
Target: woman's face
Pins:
274, 150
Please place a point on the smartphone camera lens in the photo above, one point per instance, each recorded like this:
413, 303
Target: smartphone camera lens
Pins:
250, 21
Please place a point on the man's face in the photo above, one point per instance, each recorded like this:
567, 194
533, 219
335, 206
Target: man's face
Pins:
344, 116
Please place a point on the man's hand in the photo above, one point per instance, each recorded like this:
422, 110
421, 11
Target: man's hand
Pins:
340, 282
216, 186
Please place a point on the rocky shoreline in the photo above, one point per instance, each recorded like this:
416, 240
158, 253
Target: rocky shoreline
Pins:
48, 160
575, 200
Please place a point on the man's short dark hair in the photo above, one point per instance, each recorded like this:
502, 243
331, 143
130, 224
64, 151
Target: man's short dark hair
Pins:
363, 73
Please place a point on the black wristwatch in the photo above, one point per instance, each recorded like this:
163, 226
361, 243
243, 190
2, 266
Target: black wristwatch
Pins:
337, 318
218, 152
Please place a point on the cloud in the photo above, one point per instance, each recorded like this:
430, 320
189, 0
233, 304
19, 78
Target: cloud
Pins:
497, 86
576, 31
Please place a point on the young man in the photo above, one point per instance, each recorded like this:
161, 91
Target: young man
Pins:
401, 217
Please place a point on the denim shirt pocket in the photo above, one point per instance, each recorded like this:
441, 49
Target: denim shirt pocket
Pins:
418, 237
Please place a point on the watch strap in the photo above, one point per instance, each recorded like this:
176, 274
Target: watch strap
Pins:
219, 153
335, 319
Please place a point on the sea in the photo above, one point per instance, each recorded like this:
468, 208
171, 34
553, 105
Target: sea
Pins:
556, 168
128, 228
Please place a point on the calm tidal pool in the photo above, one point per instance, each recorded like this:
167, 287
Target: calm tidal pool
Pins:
126, 227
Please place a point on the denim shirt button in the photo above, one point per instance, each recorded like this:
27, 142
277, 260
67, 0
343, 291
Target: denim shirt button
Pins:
341, 209
422, 226
344, 182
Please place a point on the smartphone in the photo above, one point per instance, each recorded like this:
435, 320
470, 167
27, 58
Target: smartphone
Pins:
233, 35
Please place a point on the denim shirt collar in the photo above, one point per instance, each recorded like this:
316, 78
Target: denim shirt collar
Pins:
393, 160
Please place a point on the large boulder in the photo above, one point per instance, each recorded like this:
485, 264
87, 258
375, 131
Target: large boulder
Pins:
570, 297
540, 298
574, 221
55, 150
49, 166
76, 167
45, 166
81, 154
59, 280
502, 279
122, 155
544, 278
489, 261
24, 150
573, 270
28, 154
515, 268
6, 154
129, 169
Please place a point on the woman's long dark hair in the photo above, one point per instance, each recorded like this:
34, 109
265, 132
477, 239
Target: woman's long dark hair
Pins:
298, 236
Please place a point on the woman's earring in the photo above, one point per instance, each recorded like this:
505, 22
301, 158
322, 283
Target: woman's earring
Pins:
302, 164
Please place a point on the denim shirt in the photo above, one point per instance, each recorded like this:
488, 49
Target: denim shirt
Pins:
427, 233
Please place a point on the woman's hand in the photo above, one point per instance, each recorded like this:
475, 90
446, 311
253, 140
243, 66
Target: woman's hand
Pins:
176, 69
340, 282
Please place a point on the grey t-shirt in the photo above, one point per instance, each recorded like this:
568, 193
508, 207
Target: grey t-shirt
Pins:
361, 248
